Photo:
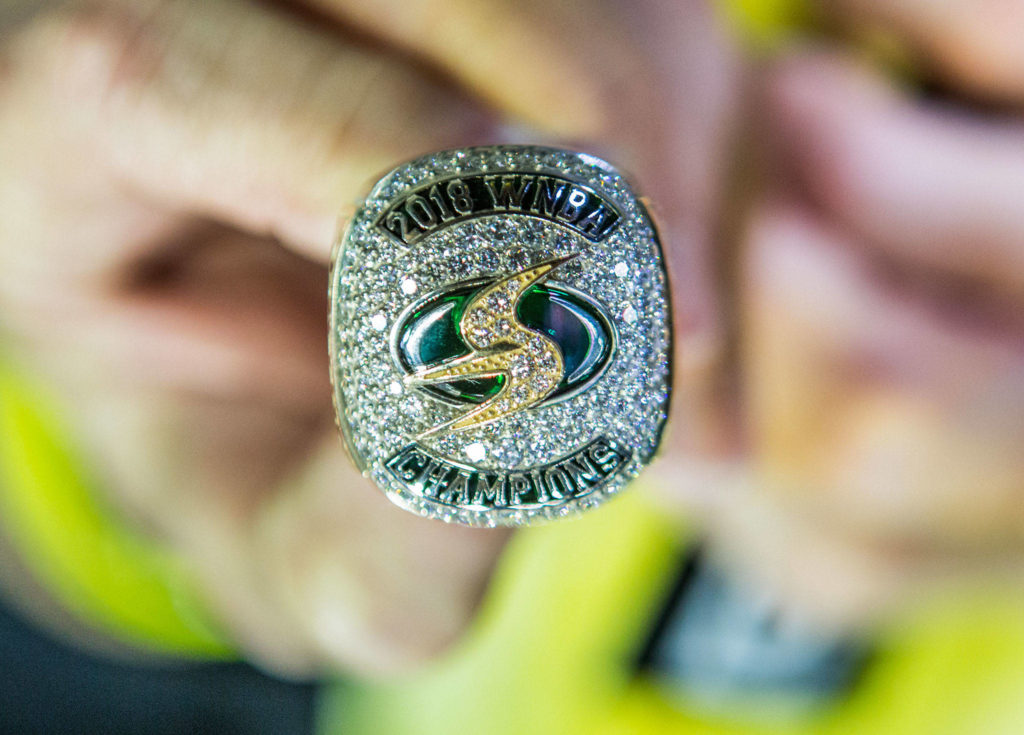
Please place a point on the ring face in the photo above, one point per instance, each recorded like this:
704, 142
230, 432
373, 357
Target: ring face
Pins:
500, 334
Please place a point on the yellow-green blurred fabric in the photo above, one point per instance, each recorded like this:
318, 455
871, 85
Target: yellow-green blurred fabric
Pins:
766, 23
553, 650
63, 533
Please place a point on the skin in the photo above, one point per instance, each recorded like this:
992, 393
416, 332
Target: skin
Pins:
848, 373
171, 178
882, 328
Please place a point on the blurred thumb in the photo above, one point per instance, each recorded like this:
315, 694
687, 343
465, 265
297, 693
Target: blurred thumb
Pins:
231, 110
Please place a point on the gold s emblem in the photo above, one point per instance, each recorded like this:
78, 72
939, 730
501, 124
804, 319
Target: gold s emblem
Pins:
530, 362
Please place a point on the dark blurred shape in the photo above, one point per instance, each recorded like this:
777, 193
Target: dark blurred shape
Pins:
725, 650
48, 688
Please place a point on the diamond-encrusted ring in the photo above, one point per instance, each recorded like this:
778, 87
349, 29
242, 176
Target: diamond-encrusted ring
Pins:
500, 334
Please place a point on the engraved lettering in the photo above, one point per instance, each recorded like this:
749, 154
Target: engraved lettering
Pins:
457, 491
421, 212
442, 203
540, 492
490, 490
548, 196
409, 466
398, 224
433, 479
570, 211
582, 472
458, 192
592, 223
603, 455
558, 483
508, 196
519, 488
455, 484
436, 198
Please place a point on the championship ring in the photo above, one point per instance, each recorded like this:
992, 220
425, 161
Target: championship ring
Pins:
500, 334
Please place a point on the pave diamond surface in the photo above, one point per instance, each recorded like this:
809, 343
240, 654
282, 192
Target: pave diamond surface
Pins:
557, 442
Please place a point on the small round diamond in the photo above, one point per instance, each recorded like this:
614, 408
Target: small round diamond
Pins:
476, 319
543, 382
521, 366
499, 302
483, 336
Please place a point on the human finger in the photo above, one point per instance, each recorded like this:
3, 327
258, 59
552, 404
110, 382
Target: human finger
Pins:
370, 585
225, 111
873, 405
975, 46
229, 110
547, 63
928, 187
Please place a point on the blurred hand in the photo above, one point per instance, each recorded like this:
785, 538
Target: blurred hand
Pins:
883, 308
170, 177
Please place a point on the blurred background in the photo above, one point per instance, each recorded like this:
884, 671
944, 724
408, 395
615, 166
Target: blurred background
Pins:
831, 538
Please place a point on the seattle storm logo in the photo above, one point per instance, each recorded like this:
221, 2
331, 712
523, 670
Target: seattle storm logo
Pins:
505, 345
499, 347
